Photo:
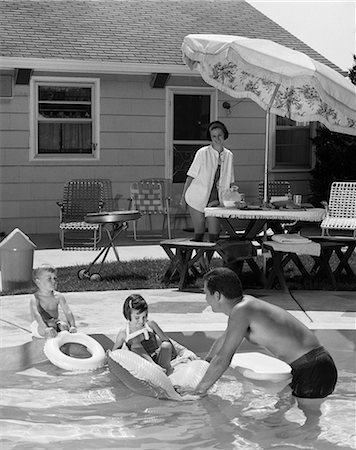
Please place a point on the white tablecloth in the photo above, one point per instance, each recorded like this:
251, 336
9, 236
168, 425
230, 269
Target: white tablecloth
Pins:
307, 215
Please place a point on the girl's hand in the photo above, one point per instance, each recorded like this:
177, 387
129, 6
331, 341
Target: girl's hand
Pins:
72, 329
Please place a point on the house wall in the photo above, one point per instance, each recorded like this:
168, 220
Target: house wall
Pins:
132, 146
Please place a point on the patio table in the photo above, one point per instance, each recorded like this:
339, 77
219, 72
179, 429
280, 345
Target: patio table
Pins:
191, 258
258, 218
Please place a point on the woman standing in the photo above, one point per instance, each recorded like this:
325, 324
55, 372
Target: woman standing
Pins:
210, 174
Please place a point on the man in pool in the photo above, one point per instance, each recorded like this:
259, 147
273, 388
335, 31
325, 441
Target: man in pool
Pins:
314, 373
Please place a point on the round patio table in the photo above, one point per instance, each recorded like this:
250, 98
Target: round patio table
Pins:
114, 223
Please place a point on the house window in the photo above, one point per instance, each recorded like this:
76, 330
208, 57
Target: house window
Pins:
65, 118
292, 144
192, 111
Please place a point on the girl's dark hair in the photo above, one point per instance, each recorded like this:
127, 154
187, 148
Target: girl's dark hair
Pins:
134, 301
225, 281
216, 124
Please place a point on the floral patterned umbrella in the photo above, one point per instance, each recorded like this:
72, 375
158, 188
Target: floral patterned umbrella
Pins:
282, 81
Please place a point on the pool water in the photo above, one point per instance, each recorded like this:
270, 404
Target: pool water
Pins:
47, 408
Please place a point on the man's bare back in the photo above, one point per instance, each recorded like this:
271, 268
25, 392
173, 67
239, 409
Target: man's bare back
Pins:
274, 329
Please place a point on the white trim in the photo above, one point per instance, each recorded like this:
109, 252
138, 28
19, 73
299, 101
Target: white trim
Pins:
95, 85
72, 65
192, 90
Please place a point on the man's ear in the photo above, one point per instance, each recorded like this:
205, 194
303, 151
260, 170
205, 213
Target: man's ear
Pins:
217, 295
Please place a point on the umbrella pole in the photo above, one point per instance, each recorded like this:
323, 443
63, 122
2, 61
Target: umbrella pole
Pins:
268, 115
265, 178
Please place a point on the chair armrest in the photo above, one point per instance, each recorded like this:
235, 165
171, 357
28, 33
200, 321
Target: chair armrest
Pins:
326, 206
60, 205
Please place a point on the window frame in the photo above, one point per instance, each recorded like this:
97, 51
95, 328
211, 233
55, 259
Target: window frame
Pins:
272, 145
94, 84
184, 90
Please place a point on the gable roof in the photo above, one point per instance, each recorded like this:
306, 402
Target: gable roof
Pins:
129, 33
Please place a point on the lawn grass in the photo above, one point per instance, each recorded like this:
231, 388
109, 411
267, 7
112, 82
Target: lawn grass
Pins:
148, 274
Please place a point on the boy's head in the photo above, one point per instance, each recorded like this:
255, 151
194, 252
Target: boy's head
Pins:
43, 269
134, 301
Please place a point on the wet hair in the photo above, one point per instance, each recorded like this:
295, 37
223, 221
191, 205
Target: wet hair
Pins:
216, 124
134, 301
225, 281
41, 269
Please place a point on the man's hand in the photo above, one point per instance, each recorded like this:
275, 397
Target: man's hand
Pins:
189, 394
72, 329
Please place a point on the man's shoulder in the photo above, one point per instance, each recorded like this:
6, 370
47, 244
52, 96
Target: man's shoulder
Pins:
248, 300
247, 303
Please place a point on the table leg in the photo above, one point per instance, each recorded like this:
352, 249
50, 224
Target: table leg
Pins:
344, 260
117, 228
276, 271
322, 265
183, 263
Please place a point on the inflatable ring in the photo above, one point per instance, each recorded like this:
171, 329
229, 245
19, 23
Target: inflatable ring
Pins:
52, 350
258, 366
146, 378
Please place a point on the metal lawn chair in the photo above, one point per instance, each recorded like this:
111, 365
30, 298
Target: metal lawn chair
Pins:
275, 189
339, 224
340, 210
177, 214
147, 198
80, 197
109, 202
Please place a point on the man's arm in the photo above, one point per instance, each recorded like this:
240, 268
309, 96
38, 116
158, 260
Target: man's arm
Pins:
215, 348
236, 329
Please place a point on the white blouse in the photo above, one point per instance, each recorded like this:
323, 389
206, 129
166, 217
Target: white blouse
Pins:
202, 170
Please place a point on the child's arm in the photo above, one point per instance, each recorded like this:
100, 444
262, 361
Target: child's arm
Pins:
159, 332
67, 312
43, 329
120, 339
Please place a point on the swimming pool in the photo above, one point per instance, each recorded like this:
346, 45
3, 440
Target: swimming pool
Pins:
44, 407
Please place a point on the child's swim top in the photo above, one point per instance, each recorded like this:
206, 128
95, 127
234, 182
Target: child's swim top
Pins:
149, 343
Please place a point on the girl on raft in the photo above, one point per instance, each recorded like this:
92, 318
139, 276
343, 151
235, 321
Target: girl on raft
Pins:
144, 336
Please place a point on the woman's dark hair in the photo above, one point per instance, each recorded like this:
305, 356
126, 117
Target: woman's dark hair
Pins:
225, 281
216, 124
134, 301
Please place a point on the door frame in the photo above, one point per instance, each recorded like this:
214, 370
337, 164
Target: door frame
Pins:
188, 90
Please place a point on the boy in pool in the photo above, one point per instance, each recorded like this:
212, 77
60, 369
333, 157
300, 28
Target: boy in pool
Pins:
44, 305
145, 337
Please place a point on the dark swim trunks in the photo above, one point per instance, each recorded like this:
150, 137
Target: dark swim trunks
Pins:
314, 374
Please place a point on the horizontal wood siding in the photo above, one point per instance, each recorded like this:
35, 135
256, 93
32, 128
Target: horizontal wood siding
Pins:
132, 146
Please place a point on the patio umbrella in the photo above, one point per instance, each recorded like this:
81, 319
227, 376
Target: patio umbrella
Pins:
281, 80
